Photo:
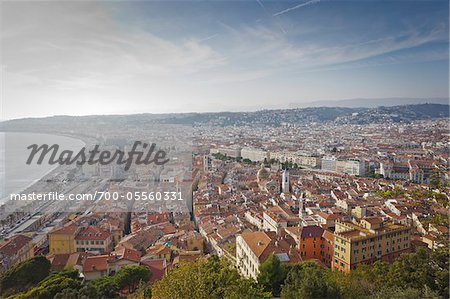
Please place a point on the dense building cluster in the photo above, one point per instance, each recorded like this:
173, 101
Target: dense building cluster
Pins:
340, 196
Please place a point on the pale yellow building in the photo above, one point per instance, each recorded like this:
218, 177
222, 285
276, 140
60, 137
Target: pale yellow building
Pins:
62, 240
370, 240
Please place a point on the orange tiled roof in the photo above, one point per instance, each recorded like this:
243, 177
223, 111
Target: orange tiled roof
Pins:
69, 229
92, 233
11, 246
96, 263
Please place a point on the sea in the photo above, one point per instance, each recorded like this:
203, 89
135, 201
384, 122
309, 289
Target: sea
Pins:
15, 174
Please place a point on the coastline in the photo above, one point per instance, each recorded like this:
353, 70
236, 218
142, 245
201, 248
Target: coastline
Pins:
54, 170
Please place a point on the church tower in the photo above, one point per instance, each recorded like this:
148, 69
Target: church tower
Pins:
301, 208
285, 182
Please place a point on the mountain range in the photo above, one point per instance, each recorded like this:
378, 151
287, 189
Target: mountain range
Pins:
330, 115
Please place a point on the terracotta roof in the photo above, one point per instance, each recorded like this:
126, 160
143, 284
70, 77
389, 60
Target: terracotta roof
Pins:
158, 218
311, 231
11, 246
92, 233
58, 261
96, 263
327, 216
328, 235
70, 229
263, 244
157, 267
257, 241
374, 220
158, 249
168, 228
128, 254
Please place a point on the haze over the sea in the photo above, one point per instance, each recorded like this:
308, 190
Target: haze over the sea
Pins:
15, 174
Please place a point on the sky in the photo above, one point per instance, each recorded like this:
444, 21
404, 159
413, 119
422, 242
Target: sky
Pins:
122, 57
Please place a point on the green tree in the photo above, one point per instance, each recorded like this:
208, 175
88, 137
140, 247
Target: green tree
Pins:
408, 293
435, 179
411, 271
144, 291
308, 280
106, 287
24, 275
359, 283
67, 294
53, 284
205, 279
88, 292
271, 275
131, 276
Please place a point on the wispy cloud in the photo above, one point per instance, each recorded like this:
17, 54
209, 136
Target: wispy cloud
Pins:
208, 38
83, 49
267, 13
296, 7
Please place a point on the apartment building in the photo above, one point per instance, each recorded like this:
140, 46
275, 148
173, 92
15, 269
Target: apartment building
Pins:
233, 152
276, 219
93, 239
349, 166
15, 250
62, 240
316, 243
328, 163
75, 238
367, 241
417, 171
254, 154
301, 159
253, 248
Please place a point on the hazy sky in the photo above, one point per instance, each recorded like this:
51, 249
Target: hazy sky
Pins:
108, 57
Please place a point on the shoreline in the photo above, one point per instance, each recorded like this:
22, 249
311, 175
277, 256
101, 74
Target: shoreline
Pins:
49, 173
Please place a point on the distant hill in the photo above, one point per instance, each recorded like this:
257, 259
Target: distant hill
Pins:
395, 114
371, 103
331, 115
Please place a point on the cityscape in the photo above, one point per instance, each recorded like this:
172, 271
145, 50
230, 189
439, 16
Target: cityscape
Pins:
225, 149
